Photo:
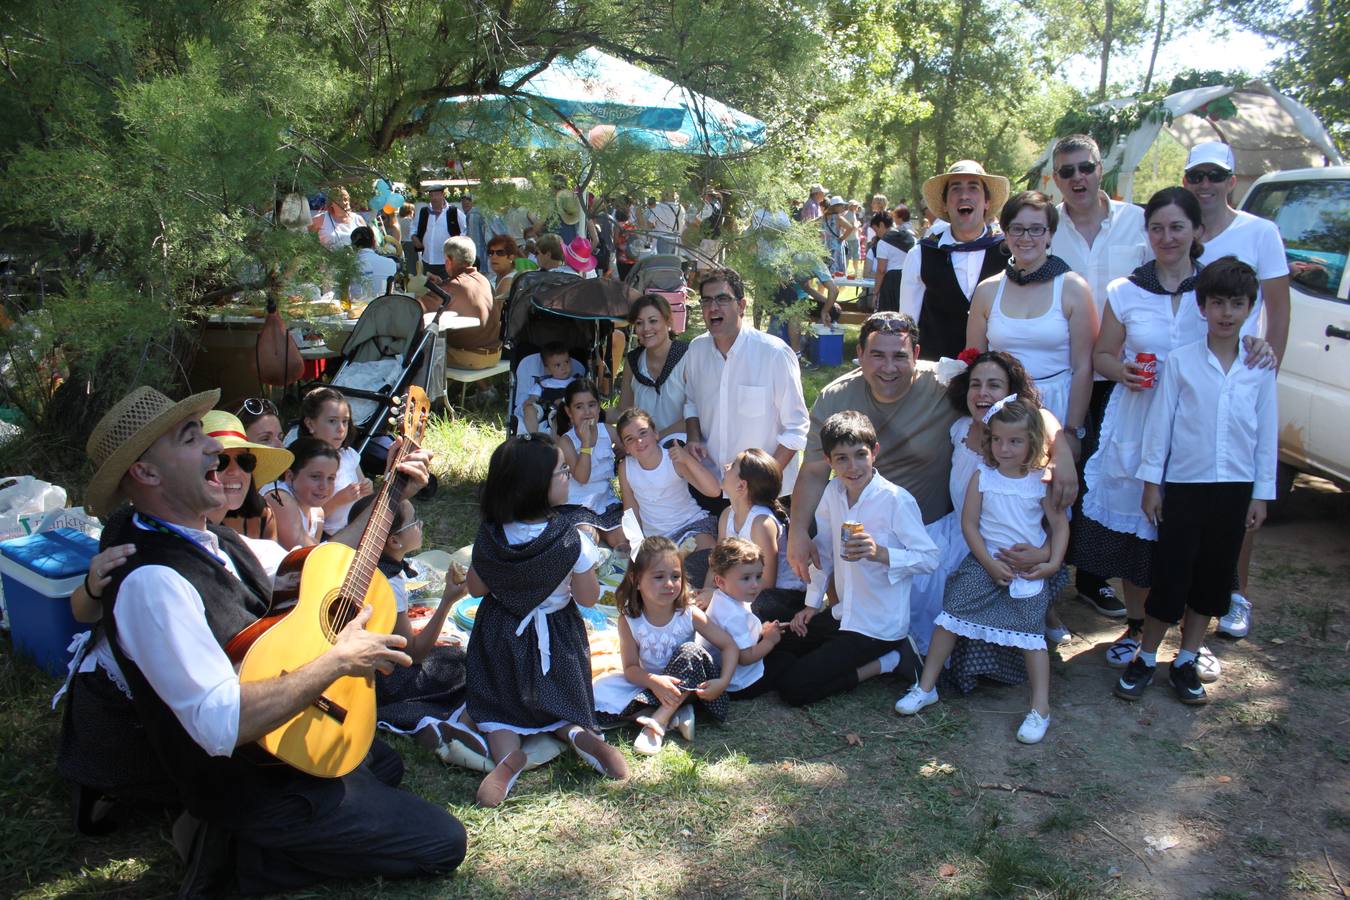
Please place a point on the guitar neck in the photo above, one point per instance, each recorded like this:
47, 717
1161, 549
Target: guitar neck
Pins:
374, 536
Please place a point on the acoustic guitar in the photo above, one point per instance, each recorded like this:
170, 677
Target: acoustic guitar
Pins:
332, 735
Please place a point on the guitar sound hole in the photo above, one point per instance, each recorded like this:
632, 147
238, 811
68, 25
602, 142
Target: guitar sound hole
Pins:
338, 611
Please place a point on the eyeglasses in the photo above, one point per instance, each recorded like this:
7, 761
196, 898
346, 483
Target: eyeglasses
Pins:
500, 251
246, 461
564, 470
1083, 168
1021, 230
415, 523
719, 300
1215, 176
259, 406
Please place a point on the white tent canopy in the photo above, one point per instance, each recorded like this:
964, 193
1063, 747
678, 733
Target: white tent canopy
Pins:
1269, 132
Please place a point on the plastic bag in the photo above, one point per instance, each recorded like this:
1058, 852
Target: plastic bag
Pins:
24, 500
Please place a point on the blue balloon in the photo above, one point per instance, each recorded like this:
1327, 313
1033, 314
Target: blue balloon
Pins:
394, 200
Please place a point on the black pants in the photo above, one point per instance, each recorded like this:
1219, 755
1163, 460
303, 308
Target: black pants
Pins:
775, 664
357, 826
1199, 540
827, 660
1085, 581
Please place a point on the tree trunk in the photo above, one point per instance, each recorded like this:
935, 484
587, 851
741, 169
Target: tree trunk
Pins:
1107, 27
945, 110
879, 163
915, 180
1157, 42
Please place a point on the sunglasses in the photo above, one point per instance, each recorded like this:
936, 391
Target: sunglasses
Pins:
246, 462
888, 323
500, 251
1083, 168
1214, 176
259, 406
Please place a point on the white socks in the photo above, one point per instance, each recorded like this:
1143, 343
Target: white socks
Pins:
889, 662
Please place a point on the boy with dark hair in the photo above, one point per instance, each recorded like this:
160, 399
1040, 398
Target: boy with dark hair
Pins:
545, 392
1208, 463
872, 541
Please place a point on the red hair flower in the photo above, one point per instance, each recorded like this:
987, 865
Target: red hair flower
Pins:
968, 355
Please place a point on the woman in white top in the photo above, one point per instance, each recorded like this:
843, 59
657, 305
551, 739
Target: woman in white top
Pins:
335, 224
653, 378
1153, 311
1040, 312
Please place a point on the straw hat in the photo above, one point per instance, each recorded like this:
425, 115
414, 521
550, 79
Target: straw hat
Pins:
124, 434
569, 207
226, 428
935, 188
577, 254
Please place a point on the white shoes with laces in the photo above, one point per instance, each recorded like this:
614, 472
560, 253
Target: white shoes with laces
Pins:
1033, 728
915, 700
1238, 622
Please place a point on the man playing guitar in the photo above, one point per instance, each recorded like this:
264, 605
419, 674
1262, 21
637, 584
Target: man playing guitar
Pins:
188, 589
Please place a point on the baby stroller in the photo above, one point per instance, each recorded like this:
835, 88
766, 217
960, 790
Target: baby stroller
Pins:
579, 313
389, 350
664, 275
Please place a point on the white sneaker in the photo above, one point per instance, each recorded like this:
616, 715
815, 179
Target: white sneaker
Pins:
1033, 728
915, 700
684, 722
1239, 619
1207, 665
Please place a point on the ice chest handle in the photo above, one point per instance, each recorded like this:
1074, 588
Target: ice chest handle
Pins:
40, 572
824, 346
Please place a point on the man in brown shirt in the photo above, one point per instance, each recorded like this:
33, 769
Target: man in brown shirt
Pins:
470, 295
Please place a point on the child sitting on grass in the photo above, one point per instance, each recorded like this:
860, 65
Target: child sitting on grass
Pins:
298, 499
753, 483
655, 483
737, 567
869, 566
1208, 467
588, 448
662, 665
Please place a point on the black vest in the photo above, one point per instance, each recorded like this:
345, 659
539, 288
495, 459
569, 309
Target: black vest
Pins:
942, 320
216, 788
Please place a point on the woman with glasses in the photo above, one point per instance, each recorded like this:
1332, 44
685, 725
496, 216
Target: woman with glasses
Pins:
262, 422
1040, 312
245, 467
502, 251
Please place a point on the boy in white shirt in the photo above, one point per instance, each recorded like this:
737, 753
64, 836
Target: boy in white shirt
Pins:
1211, 438
867, 630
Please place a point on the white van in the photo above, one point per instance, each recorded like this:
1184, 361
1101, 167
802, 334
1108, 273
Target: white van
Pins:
1311, 207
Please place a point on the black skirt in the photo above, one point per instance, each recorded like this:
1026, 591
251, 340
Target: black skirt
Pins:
507, 686
690, 666
432, 688
1107, 553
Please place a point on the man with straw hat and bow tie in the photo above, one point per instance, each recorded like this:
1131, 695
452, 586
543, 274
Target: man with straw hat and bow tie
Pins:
170, 610
939, 280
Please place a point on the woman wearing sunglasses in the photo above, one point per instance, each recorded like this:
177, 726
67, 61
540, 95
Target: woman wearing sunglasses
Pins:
262, 422
502, 251
245, 467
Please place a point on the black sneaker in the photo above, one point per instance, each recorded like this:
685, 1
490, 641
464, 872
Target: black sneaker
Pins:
1186, 682
1104, 601
1137, 676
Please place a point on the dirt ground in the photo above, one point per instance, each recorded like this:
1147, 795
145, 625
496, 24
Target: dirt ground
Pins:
1252, 791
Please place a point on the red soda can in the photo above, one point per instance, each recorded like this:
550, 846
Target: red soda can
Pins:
1149, 363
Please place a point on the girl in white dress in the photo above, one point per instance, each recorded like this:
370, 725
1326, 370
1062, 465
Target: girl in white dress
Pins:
1039, 311
753, 483
655, 480
1152, 311
663, 667
986, 598
589, 449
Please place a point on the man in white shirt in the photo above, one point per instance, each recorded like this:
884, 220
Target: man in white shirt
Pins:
433, 227
940, 278
1257, 242
666, 220
744, 386
1102, 240
373, 270
171, 609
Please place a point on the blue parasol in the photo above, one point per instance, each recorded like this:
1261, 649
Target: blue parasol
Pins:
601, 100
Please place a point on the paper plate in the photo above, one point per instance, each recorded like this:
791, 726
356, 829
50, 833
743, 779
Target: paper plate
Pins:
464, 611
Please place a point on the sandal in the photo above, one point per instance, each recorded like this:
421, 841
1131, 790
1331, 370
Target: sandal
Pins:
599, 755
649, 740
494, 788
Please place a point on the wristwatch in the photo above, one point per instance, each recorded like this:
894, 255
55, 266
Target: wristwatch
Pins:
1080, 432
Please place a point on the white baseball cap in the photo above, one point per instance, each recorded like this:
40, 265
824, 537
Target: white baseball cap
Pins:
1212, 153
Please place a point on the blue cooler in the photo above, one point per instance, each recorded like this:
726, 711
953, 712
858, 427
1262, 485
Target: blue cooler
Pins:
825, 346
40, 572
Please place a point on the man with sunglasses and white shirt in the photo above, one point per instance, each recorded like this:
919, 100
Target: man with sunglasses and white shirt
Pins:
744, 387
1102, 240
